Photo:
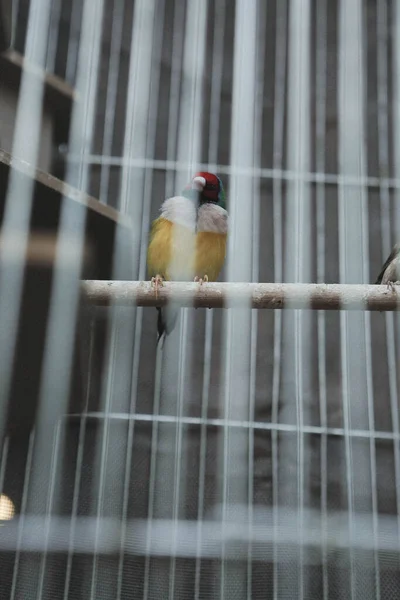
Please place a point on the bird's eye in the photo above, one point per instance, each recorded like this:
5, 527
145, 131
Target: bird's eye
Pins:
212, 186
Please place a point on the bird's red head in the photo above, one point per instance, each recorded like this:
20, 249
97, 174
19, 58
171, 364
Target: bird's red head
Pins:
207, 184
205, 188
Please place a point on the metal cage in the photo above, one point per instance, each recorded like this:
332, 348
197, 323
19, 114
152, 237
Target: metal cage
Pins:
257, 455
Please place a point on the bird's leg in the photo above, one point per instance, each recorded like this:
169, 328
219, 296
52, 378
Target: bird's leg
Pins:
200, 280
156, 282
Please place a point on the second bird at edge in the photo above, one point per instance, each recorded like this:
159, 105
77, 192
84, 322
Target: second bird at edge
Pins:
390, 272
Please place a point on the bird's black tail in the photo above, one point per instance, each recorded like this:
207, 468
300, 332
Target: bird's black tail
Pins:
166, 321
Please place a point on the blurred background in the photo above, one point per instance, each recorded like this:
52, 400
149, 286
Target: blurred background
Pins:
258, 455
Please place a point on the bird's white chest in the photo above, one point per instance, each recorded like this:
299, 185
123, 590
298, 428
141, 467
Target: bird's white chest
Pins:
181, 211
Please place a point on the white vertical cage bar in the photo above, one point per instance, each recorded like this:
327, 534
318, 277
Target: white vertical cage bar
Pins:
138, 97
120, 323
189, 140
149, 583
371, 455
383, 125
233, 448
353, 245
372, 451
392, 333
203, 446
53, 36
100, 465
385, 220
180, 451
396, 110
220, 10
189, 145
321, 79
173, 112
19, 195
297, 268
372, 467
22, 515
14, 21
79, 464
147, 195
262, 16
74, 41
111, 96
50, 501
278, 134
213, 137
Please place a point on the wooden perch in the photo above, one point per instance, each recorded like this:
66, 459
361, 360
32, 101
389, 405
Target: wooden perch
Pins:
256, 295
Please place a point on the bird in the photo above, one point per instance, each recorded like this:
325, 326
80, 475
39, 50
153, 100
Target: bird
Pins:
188, 240
390, 273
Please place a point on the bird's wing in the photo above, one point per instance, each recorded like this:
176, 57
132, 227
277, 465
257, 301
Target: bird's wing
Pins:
159, 249
391, 257
210, 254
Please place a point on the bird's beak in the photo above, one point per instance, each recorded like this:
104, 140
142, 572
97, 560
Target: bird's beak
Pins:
198, 183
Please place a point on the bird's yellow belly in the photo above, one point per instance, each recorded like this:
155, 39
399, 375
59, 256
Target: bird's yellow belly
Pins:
171, 251
176, 253
210, 254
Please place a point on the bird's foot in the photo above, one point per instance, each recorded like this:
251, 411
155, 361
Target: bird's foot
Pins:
157, 282
391, 285
200, 280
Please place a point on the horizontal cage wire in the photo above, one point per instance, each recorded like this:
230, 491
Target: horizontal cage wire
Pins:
251, 454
